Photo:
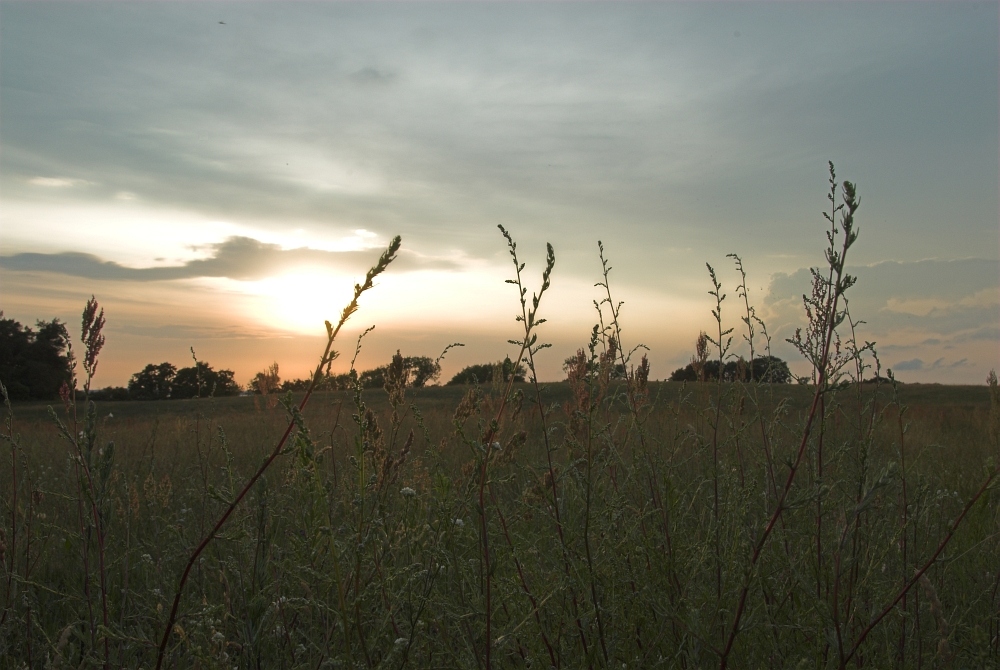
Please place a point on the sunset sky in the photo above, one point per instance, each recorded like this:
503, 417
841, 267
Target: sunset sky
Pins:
219, 174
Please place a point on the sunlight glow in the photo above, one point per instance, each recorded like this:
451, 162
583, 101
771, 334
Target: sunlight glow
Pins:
299, 301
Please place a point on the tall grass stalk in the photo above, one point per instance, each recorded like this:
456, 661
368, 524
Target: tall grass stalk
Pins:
328, 355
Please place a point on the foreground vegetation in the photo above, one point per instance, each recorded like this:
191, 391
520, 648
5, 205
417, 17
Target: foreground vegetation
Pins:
594, 523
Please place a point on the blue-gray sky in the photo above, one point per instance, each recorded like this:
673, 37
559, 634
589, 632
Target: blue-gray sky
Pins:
218, 174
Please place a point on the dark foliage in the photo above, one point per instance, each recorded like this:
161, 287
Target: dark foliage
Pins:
766, 369
879, 379
485, 372
201, 381
159, 382
34, 364
110, 393
420, 371
154, 382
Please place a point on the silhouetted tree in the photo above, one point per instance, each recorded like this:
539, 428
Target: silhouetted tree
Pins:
201, 381
110, 393
420, 371
34, 364
266, 381
154, 382
485, 372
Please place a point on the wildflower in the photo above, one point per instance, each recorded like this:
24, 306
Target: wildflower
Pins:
407, 492
218, 637
459, 523
400, 641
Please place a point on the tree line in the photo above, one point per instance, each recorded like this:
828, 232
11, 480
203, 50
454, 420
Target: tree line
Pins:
36, 362
420, 371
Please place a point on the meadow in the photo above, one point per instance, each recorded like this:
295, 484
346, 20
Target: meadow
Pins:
847, 521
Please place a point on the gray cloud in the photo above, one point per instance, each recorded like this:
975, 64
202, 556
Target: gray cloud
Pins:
913, 364
421, 120
370, 75
989, 333
240, 258
930, 278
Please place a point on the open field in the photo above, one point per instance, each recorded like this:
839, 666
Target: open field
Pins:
625, 541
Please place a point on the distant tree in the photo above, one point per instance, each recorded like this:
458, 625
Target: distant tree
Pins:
153, 382
484, 373
267, 381
771, 370
342, 382
201, 381
302, 384
423, 370
374, 378
684, 374
34, 364
110, 393
617, 370
766, 369
420, 371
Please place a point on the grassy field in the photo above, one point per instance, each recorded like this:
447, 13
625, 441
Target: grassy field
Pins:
621, 558
607, 521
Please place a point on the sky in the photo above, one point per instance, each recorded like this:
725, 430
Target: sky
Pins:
219, 175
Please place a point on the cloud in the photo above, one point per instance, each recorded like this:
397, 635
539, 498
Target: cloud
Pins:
239, 258
936, 297
370, 75
646, 121
56, 182
989, 332
187, 332
918, 364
